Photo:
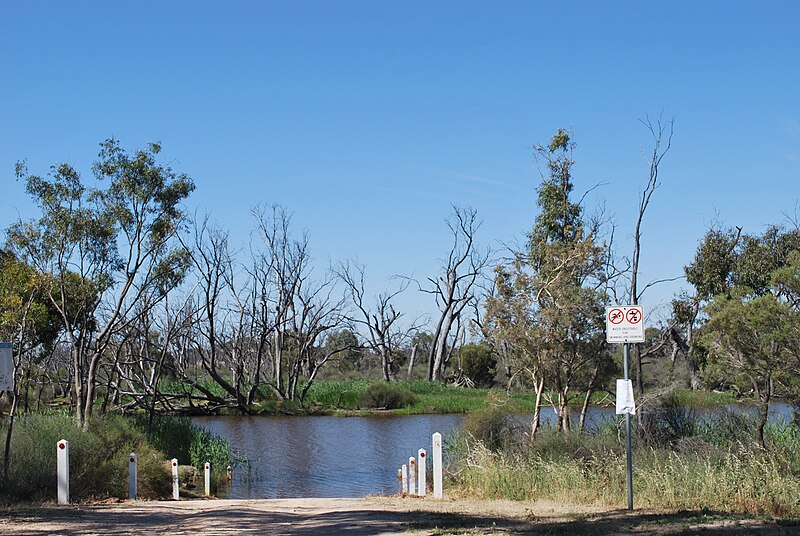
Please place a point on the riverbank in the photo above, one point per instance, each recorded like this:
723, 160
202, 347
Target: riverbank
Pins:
372, 515
345, 398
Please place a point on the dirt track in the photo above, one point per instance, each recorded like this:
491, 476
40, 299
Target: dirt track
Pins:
367, 516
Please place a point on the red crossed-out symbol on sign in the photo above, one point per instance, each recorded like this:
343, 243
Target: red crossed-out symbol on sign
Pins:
615, 316
633, 316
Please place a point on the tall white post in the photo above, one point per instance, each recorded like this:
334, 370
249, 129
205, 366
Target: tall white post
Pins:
437, 465
400, 479
422, 469
133, 476
405, 478
175, 492
412, 475
207, 468
62, 471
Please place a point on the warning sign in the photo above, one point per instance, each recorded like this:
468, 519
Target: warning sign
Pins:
624, 323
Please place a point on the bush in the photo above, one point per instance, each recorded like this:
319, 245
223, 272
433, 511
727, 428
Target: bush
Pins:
386, 396
491, 426
479, 364
178, 438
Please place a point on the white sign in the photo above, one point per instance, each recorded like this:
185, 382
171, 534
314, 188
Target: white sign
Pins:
625, 323
6, 367
625, 402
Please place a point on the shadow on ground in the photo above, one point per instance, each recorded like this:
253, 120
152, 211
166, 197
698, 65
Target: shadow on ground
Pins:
242, 519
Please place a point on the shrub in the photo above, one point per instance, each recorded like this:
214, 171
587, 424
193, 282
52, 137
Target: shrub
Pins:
479, 364
386, 396
491, 426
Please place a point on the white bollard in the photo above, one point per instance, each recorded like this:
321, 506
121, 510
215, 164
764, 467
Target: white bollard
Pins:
133, 476
400, 479
207, 468
405, 478
62, 471
437, 465
412, 476
422, 469
175, 492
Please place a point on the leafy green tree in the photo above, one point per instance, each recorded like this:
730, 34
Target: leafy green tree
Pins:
757, 340
103, 248
549, 303
746, 304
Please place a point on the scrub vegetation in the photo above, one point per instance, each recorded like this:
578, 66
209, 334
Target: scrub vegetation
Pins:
681, 463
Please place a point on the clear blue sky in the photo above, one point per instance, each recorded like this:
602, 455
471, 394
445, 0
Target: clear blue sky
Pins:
368, 119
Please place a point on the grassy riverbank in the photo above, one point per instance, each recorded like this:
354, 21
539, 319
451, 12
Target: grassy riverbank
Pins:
347, 397
679, 463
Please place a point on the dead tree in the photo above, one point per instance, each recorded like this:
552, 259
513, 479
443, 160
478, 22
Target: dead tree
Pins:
454, 288
380, 320
662, 141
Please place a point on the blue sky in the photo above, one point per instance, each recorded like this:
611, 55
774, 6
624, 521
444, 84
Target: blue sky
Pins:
368, 119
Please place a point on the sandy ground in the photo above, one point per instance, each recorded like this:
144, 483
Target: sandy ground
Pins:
380, 515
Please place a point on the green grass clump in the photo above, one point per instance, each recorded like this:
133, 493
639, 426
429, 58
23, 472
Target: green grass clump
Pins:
386, 396
178, 438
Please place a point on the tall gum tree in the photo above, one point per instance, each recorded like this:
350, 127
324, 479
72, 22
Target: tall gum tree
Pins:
549, 304
102, 248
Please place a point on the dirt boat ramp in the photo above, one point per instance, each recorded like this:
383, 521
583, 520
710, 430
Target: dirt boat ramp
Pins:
371, 515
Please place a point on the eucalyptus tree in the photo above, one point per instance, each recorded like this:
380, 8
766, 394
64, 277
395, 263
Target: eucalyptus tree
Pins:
748, 317
102, 248
549, 305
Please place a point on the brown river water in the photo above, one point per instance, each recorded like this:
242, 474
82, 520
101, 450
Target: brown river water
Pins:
296, 457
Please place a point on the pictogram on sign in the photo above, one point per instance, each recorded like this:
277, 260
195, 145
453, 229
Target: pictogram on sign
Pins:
624, 323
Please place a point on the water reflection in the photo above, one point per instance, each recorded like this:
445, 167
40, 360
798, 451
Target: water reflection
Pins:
356, 456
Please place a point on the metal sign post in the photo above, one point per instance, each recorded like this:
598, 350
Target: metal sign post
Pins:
628, 456
625, 324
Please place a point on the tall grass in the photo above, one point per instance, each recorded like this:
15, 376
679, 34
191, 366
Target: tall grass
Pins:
98, 459
712, 468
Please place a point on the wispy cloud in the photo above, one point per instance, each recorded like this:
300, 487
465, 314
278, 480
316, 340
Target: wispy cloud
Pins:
791, 126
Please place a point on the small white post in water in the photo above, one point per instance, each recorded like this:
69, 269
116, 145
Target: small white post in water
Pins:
175, 493
437, 465
62, 471
422, 469
400, 479
207, 468
133, 475
405, 478
412, 475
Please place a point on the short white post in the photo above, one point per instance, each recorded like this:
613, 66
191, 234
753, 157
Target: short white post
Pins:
405, 478
437, 465
412, 475
207, 468
422, 469
62, 471
400, 479
175, 492
133, 475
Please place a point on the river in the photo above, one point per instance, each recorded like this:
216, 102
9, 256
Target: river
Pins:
293, 457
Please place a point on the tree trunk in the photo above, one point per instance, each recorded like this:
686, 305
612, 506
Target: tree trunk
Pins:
537, 408
589, 391
411, 360
763, 411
